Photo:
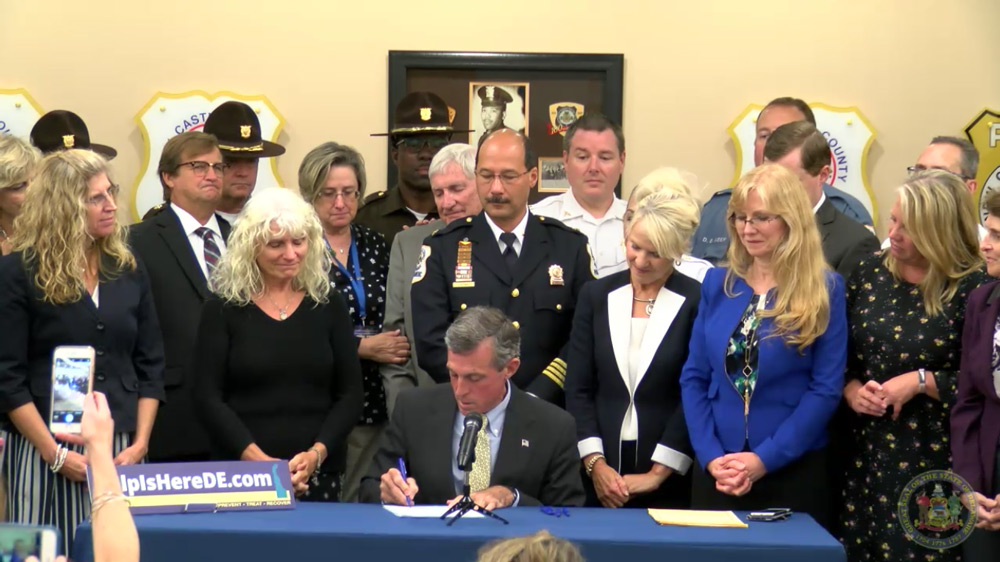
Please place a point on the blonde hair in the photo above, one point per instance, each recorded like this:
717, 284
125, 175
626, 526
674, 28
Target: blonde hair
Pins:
540, 547
940, 218
237, 279
669, 219
17, 160
51, 230
801, 308
670, 179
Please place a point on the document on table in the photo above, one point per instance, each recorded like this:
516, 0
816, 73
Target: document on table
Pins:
435, 511
696, 518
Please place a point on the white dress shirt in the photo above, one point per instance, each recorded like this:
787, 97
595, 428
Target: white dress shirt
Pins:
190, 224
605, 234
518, 232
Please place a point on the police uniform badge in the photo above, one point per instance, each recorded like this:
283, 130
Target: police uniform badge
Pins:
562, 115
984, 134
245, 131
69, 141
556, 275
463, 265
425, 114
421, 270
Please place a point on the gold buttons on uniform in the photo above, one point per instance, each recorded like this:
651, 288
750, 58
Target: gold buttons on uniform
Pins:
463, 307
558, 307
468, 219
516, 324
515, 293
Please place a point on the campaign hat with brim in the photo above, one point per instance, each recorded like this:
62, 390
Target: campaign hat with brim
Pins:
237, 127
421, 113
62, 130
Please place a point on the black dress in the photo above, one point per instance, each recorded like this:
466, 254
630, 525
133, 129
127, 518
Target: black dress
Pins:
283, 385
891, 334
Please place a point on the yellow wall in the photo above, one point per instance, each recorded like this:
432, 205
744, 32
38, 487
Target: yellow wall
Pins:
915, 68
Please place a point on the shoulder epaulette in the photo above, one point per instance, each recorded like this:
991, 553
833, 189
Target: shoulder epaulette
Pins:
374, 196
455, 225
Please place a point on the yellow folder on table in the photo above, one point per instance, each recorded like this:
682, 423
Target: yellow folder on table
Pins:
696, 518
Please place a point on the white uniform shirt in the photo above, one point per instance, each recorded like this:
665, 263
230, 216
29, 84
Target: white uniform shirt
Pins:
605, 234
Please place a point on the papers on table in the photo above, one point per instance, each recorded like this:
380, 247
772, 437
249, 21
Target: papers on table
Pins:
696, 518
435, 511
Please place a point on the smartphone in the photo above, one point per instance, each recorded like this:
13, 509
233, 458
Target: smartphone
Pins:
18, 542
72, 379
770, 514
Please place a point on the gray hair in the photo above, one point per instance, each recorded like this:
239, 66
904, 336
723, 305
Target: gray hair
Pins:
969, 162
462, 154
316, 165
480, 323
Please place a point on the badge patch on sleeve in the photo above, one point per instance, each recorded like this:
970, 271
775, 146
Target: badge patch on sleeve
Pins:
421, 270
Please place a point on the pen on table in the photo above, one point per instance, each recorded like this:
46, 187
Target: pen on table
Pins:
402, 474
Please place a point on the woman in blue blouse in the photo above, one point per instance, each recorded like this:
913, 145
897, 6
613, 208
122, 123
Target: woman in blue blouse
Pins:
767, 355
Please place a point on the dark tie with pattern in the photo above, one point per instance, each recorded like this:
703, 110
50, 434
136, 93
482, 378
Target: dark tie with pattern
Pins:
509, 255
211, 249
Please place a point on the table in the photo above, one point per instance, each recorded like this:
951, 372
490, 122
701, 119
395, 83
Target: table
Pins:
315, 531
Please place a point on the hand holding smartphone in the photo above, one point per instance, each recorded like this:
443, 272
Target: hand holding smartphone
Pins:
72, 380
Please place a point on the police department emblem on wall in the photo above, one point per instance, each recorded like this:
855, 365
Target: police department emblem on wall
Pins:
167, 115
18, 113
984, 133
562, 115
848, 133
937, 509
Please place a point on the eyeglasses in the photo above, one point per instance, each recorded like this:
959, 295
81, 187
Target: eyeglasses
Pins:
740, 221
101, 200
349, 194
486, 177
917, 168
17, 187
200, 168
416, 144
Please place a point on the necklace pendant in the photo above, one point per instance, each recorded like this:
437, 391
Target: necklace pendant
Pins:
649, 309
282, 315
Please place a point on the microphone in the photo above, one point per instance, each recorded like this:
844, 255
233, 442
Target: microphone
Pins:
467, 445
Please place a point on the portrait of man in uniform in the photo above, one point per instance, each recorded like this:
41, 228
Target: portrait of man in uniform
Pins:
494, 106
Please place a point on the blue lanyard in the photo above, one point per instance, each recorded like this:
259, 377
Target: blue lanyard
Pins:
356, 281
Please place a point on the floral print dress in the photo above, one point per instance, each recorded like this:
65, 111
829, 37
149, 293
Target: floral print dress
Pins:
890, 334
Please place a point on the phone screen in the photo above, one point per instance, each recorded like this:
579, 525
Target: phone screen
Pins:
18, 542
70, 381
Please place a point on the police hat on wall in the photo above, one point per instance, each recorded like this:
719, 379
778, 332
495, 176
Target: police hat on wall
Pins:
237, 127
61, 130
420, 113
494, 96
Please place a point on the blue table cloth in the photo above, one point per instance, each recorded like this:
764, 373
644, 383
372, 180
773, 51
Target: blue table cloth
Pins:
368, 532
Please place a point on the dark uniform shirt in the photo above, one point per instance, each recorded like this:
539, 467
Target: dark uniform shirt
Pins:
539, 295
386, 213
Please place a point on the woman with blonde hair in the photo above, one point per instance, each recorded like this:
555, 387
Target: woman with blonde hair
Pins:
627, 404
906, 312
17, 163
71, 280
276, 360
540, 547
757, 402
675, 181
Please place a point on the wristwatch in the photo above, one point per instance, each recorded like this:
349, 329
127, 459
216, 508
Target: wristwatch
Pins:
921, 380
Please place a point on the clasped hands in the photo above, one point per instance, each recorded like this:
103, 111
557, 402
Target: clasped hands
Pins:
987, 512
873, 399
615, 490
735, 473
395, 491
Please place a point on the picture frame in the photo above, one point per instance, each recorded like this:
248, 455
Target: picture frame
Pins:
550, 90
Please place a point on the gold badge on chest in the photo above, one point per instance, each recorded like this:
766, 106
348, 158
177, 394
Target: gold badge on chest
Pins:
556, 275
463, 265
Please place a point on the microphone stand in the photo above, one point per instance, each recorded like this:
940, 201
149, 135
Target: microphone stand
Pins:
465, 505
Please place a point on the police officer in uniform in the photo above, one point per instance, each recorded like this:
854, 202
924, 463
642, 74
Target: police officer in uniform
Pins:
494, 101
421, 127
530, 267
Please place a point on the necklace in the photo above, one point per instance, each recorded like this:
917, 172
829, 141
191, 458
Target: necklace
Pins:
649, 304
282, 311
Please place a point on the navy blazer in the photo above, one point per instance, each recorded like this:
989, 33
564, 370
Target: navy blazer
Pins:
123, 331
975, 419
796, 393
596, 389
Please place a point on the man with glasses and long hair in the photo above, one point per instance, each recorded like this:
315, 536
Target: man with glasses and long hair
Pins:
529, 266
180, 246
421, 127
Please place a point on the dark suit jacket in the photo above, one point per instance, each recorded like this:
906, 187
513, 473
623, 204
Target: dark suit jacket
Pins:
845, 241
975, 419
537, 453
123, 332
596, 389
539, 296
179, 290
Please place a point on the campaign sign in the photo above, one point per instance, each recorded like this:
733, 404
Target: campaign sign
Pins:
847, 132
167, 115
207, 486
18, 113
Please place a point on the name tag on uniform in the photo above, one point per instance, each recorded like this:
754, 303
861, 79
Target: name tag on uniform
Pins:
463, 265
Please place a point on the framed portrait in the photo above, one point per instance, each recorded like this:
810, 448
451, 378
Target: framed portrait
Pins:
540, 94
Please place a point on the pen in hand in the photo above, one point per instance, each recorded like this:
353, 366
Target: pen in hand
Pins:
402, 474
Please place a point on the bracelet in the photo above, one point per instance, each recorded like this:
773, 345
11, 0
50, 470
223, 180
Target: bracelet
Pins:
319, 458
591, 463
921, 380
98, 505
60, 460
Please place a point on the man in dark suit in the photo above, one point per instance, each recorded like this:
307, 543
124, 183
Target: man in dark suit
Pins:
525, 453
801, 148
530, 267
180, 244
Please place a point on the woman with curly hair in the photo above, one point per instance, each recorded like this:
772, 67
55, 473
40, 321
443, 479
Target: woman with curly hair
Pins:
71, 280
276, 359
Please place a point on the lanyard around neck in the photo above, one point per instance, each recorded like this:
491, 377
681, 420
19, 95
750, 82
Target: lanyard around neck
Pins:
355, 279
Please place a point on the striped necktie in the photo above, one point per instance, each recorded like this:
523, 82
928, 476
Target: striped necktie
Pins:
212, 254
479, 476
